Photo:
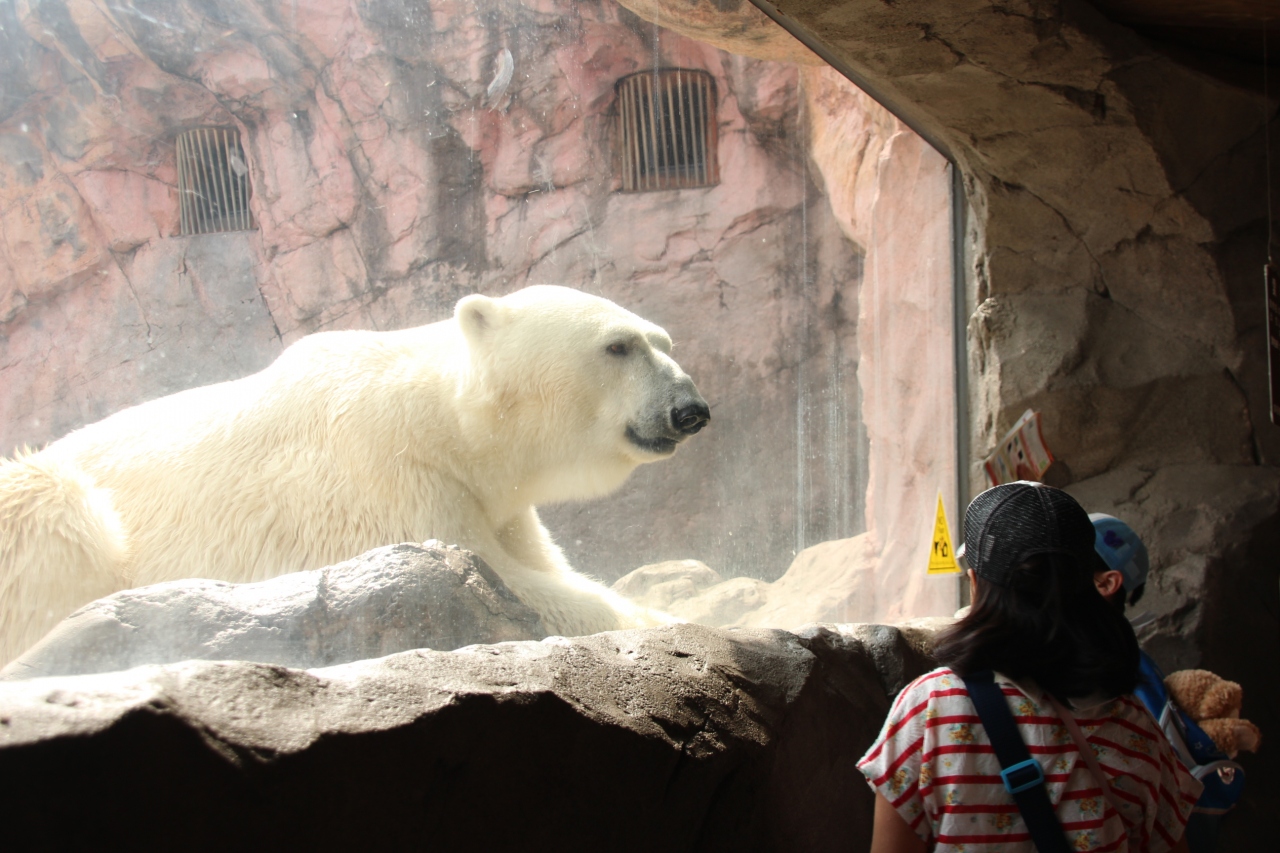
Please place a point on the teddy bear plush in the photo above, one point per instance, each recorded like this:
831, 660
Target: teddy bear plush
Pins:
1214, 703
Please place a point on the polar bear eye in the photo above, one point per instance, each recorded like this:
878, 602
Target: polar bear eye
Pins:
617, 349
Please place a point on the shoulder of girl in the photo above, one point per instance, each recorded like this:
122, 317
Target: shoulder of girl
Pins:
941, 678
923, 686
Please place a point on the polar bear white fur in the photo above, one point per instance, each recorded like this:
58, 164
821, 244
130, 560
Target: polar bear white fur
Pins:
350, 440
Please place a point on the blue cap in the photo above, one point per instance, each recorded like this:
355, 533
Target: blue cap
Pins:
1121, 549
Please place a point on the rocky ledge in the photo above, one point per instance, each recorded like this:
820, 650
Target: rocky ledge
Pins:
675, 738
390, 599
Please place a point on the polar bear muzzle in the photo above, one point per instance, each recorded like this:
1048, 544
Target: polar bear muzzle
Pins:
691, 418
686, 416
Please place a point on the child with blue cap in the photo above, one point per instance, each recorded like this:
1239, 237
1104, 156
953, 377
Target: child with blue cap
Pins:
1126, 557
1123, 583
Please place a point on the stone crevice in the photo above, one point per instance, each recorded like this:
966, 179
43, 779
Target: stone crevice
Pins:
1099, 283
1254, 445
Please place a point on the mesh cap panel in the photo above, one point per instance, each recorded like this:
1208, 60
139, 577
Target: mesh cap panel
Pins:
1006, 525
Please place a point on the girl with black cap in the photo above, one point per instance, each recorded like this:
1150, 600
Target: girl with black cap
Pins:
1095, 772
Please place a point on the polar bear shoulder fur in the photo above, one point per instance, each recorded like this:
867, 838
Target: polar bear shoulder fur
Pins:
453, 431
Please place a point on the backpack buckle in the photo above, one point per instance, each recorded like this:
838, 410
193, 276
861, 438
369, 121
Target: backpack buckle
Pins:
1021, 776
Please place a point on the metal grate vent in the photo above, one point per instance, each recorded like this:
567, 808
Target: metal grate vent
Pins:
213, 181
667, 129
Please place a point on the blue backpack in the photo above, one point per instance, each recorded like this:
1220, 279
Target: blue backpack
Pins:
1223, 779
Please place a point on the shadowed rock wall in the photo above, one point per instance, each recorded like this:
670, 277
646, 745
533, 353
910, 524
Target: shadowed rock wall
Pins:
1117, 230
1117, 233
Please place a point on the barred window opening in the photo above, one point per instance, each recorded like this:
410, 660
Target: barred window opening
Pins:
667, 130
213, 181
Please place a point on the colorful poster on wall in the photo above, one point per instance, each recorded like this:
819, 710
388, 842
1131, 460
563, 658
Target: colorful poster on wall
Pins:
1022, 453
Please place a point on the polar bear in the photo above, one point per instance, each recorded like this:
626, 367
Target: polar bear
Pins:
354, 439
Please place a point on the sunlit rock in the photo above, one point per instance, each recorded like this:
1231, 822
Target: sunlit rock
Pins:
663, 584
690, 590
726, 603
829, 582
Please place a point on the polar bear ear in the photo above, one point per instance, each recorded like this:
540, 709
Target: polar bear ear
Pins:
479, 316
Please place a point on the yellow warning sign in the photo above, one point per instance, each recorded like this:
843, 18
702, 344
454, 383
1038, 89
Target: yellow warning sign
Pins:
942, 557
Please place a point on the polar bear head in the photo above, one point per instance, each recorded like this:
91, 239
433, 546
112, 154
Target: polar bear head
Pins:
578, 386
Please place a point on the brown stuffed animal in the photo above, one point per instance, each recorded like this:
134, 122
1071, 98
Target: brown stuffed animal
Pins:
1214, 703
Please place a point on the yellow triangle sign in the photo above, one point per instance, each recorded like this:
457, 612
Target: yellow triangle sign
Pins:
942, 557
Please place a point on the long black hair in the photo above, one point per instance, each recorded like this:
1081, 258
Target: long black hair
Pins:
1050, 624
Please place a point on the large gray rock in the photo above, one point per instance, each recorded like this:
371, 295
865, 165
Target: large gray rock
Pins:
389, 600
675, 738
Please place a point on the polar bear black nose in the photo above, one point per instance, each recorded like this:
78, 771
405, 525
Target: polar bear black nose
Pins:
690, 419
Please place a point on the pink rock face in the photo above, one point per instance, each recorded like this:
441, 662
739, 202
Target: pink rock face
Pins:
891, 193
237, 76
50, 239
393, 171
908, 376
130, 209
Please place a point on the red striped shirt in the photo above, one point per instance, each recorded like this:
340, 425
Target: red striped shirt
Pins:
934, 763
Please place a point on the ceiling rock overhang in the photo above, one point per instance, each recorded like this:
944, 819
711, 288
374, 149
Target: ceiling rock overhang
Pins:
1233, 28
1097, 170
732, 25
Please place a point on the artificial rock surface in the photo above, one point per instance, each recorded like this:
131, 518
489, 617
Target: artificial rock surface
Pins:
824, 583
387, 182
1114, 236
1116, 227
391, 599
1117, 195
675, 738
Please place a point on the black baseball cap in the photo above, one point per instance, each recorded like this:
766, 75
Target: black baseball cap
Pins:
1006, 525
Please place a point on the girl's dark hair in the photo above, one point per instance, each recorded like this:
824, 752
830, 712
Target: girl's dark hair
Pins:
1049, 624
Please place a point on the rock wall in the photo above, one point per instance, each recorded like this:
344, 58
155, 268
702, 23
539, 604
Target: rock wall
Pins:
1117, 229
679, 738
388, 180
1117, 194
892, 194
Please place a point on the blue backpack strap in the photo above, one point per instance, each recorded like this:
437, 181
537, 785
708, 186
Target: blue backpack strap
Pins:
1023, 777
1150, 688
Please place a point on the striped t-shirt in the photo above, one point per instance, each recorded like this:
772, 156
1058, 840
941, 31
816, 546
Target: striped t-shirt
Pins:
934, 763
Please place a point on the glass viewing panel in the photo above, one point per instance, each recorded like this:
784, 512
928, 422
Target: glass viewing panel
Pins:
792, 236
